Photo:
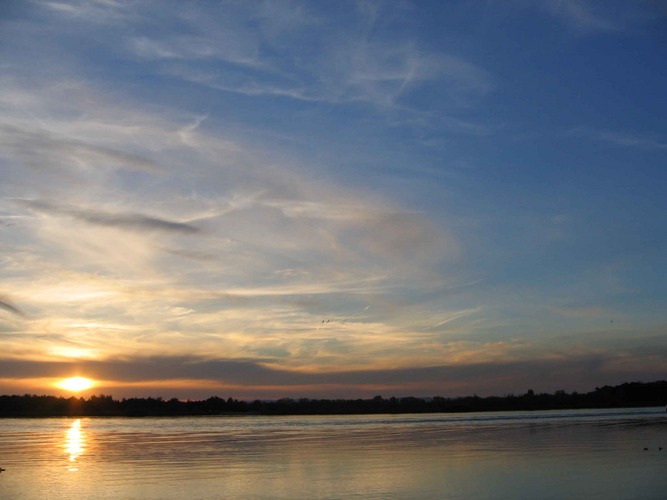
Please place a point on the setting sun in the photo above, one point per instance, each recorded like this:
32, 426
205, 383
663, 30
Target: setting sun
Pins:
75, 384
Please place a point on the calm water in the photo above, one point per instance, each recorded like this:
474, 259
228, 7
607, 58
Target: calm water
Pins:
532, 455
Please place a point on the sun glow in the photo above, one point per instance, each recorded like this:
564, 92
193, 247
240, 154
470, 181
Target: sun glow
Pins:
76, 384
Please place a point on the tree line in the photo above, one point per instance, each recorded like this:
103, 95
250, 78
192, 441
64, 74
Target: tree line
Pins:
631, 394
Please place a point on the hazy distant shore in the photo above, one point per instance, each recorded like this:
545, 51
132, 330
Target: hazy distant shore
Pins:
633, 394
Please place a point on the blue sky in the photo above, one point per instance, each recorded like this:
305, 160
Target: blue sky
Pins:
268, 199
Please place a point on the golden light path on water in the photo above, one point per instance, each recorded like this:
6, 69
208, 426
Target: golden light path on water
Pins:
74, 444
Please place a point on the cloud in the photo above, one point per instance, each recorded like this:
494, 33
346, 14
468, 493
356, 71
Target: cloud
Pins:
277, 248
10, 308
580, 14
221, 45
43, 149
147, 215
378, 74
589, 16
383, 72
246, 377
621, 139
97, 11
130, 221
346, 64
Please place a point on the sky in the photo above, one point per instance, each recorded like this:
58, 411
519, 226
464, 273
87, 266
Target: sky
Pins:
332, 199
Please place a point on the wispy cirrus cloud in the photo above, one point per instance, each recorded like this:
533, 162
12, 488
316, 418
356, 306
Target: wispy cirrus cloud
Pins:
276, 250
582, 15
620, 139
586, 16
382, 73
371, 73
44, 149
356, 68
99, 11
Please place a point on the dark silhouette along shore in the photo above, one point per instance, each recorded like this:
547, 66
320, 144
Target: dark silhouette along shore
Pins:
632, 394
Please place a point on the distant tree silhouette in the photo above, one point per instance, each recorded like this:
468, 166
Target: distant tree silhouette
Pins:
631, 394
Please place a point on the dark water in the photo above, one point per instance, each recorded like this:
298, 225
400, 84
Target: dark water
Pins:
531, 455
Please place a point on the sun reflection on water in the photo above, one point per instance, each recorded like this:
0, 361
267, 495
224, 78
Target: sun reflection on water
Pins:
74, 444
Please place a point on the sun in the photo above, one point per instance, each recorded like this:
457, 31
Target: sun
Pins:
75, 384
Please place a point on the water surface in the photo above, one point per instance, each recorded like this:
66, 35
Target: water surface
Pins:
548, 455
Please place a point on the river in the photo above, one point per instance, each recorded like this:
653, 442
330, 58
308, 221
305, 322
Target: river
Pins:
606, 454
